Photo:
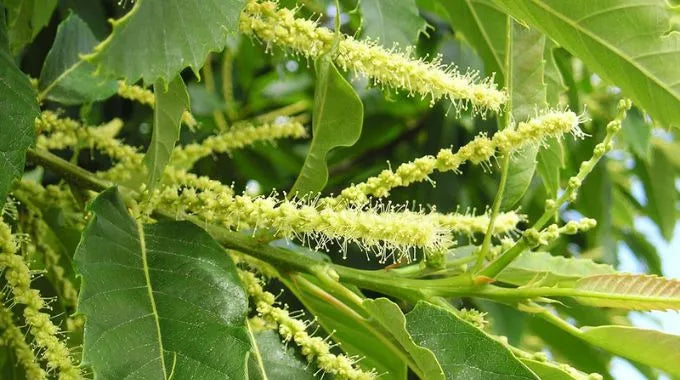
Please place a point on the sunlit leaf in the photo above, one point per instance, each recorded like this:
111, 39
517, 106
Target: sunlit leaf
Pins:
650, 347
629, 291
548, 370
550, 270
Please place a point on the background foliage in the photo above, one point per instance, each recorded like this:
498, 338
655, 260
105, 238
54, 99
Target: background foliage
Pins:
584, 55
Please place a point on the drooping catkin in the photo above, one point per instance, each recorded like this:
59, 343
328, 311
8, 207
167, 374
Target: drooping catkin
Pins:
60, 133
392, 68
13, 337
44, 332
468, 224
236, 137
383, 232
38, 229
479, 150
291, 329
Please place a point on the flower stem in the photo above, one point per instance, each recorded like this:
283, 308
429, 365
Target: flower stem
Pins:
484, 250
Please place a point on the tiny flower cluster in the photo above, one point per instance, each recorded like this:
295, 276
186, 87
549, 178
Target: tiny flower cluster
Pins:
479, 150
291, 329
68, 133
237, 137
57, 196
468, 224
37, 228
13, 337
18, 277
613, 127
552, 232
391, 68
179, 177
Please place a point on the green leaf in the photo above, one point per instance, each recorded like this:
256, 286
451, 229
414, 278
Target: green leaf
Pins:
4, 38
166, 36
356, 339
336, 121
649, 347
18, 110
671, 149
464, 351
643, 250
567, 347
551, 155
271, 359
158, 299
659, 182
554, 83
25, 19
67, 79
520, 174
484, 26
392, 21
550, 161
637, 133
524, 81
390, 316
167, 114
626, 42
550, 270
551, 371
629, 291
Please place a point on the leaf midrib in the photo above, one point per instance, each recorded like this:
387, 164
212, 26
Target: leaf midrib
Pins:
485, 35
149, 290
604, 43
256, 352
43, 94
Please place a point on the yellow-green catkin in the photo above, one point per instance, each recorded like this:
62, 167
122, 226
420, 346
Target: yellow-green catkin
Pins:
13, 337
291, 329
50, 196
38, 229
389, 67
143, 96
180, 177
383, 232
479, 150
468, 224
18, 277
237, 137
69, 133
